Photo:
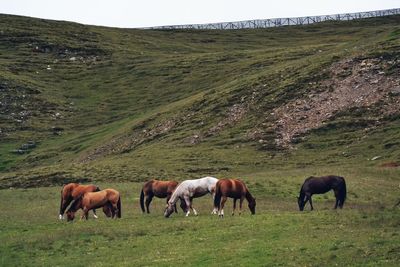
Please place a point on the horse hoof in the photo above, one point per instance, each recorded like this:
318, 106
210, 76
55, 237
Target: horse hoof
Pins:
95, 216
60, 217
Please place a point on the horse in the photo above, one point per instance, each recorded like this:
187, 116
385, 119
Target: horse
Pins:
321, 185
189, 189
73, 191
160, 189
235, 189
108, 199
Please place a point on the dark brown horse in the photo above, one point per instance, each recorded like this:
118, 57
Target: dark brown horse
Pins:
155, 188
108, 199
321, 185
235, 189
73, 191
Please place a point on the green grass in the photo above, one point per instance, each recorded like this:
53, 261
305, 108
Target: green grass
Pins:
129, 102
364, 233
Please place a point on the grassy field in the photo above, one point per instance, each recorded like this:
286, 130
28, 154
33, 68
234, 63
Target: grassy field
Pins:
116, 107
364, 233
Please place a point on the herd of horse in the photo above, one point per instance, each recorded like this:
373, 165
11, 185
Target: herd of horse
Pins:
90, 197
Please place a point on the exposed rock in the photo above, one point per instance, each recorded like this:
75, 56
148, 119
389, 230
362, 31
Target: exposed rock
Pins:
364, 87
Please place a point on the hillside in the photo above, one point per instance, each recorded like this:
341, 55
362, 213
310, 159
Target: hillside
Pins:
92, 103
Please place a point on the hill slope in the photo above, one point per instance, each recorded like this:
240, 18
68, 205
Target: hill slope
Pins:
95, 103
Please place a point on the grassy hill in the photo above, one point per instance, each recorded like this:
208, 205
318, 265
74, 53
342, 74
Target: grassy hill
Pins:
128, 104
271, 106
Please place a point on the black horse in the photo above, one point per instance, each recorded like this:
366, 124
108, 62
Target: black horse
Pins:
321, 185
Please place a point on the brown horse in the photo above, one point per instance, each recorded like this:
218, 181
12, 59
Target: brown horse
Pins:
108, 199
320, 185
155, 188
235, 189
73, 191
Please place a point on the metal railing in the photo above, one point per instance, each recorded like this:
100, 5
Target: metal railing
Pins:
267, 23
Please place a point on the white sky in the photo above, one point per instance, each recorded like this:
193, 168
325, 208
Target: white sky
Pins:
131, 14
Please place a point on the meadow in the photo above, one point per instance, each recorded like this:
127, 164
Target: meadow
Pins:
117, 107
364, 233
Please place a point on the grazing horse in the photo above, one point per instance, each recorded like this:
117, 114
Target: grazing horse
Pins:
73, 191
155, 188
109, 199
189, 189
235, 189
321, 185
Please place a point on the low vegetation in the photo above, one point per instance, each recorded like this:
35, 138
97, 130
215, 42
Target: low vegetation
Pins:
116, 107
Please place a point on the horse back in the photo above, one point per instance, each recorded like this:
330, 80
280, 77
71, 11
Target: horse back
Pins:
68, 188
162, 189
233, 188
97, 199
82, 189
148, 186
321, 185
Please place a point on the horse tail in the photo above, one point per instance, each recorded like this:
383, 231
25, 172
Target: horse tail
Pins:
217, 197
61, 203
142, 200
119, 208
343, 193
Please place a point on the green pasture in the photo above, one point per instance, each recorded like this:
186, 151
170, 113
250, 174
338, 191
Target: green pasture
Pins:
117, 107
364, 233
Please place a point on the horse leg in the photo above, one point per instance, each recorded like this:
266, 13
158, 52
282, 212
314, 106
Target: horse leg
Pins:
191, 206
241, 205
148, 201
215, 209
115, 209
94, 214
337, 199
183, 204
85, 214
234, 206
112, 211
188, 205
221, 210
309, 199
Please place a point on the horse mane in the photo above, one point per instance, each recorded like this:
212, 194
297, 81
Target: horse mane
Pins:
249, 196
175, 195
76, 204
301, 193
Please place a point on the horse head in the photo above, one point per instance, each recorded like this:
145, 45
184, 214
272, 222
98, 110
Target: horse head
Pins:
252, 206
169, 210
70, 215
301, 203
74, 207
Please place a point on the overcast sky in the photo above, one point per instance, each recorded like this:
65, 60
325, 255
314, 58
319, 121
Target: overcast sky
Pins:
131, 14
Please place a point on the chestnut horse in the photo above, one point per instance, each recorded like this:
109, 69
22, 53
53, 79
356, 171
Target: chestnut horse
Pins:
321, 185
235, 189
73, 191
189, 189
109, 199
155, 188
